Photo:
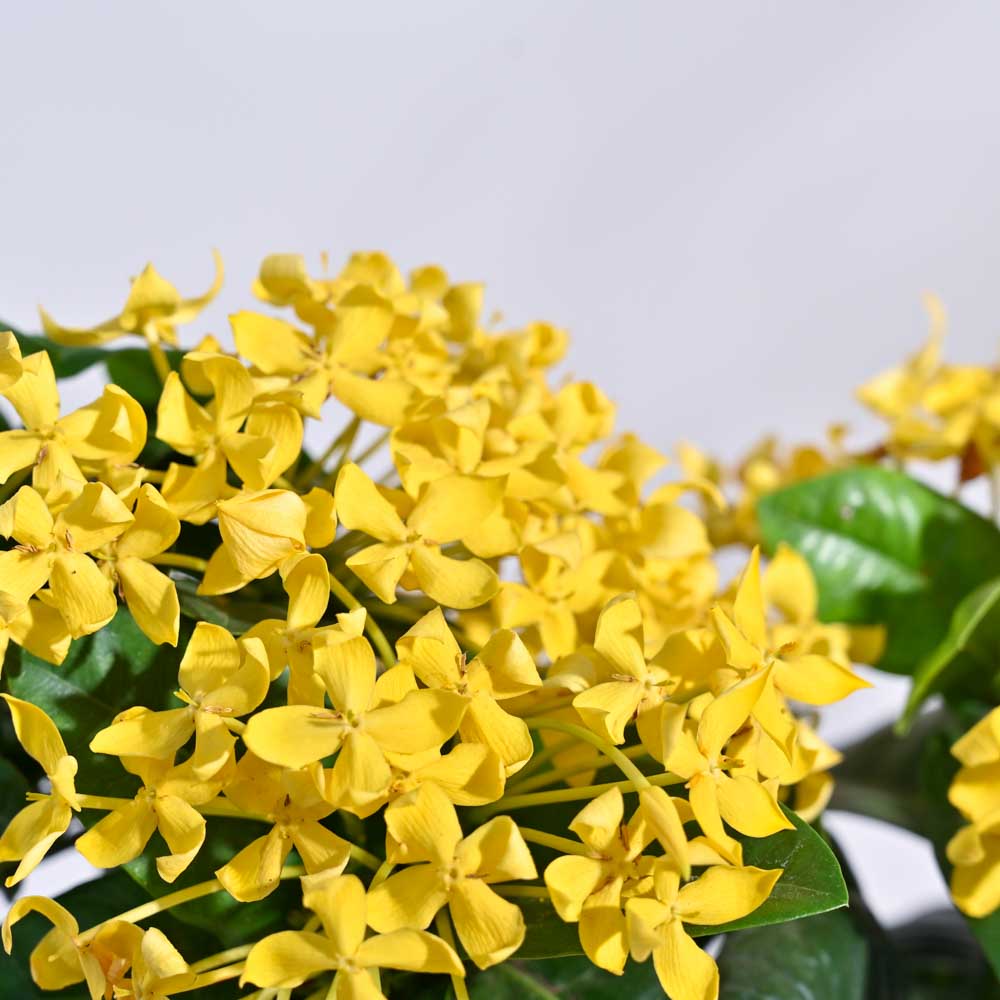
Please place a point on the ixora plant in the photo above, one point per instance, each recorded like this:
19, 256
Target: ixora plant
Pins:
455, 705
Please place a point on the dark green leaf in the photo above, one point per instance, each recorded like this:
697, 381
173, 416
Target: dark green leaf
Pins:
66, 361
812, 881
885, 550
938, 959
822, 958
234, 923
564, 978
970, 651
103, 674
132, 368
13, 788
91, 904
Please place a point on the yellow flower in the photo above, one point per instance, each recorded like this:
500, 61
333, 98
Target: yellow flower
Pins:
290, 642
153, 309
11, 362
451, 870
290, 801
638, 688
221, 679
36, 626
336, 362
360, 725
40, 824
260, 529
110, 430
721, 894
166, 802
503, 669
289, 958
60, 959
974, 851
812, 678
699, 758
158, 970
55, 551
149, 593
408, 551
590, 888
258, 439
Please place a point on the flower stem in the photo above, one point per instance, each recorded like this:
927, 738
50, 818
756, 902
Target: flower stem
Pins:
562, 844
178, 898
384, 871
539, 758
213, 977
221, 958
371, 449
376, 634
366, 858
345, 437
522, 891
158, 356
181, 561
638, 779
443, 925
530, 799
553, 775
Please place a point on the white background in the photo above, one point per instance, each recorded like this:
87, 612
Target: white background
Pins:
733, 207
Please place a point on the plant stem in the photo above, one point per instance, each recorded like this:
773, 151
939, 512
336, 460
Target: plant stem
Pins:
345, 436
221, 958
543, 756
562, 844
522, 891
443, 925
181, 561
215, 976
553, 775
384, 871
158, 356
376, 634
638, 779
178, 898
371, 449
480, 813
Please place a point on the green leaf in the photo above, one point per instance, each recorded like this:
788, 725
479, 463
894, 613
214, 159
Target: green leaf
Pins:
103, 674
233, 922
885, 549
970, 650
91, 903
132, 368
812, 882
822, 958
66, 361
562, 978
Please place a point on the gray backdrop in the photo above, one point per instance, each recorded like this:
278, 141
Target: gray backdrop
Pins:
733, 207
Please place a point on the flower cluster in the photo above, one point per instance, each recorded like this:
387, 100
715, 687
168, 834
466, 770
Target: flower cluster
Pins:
508, 614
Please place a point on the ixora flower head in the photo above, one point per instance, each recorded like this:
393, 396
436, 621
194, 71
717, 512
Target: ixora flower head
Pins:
464, 671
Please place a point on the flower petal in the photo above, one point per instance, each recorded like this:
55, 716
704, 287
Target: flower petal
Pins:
489, 927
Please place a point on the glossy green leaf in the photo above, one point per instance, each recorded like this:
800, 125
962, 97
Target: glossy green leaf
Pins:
103, 674
822, 958
92, 903
885, 549
561, 978
812, 882
132, 368
969, 653
66, 361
